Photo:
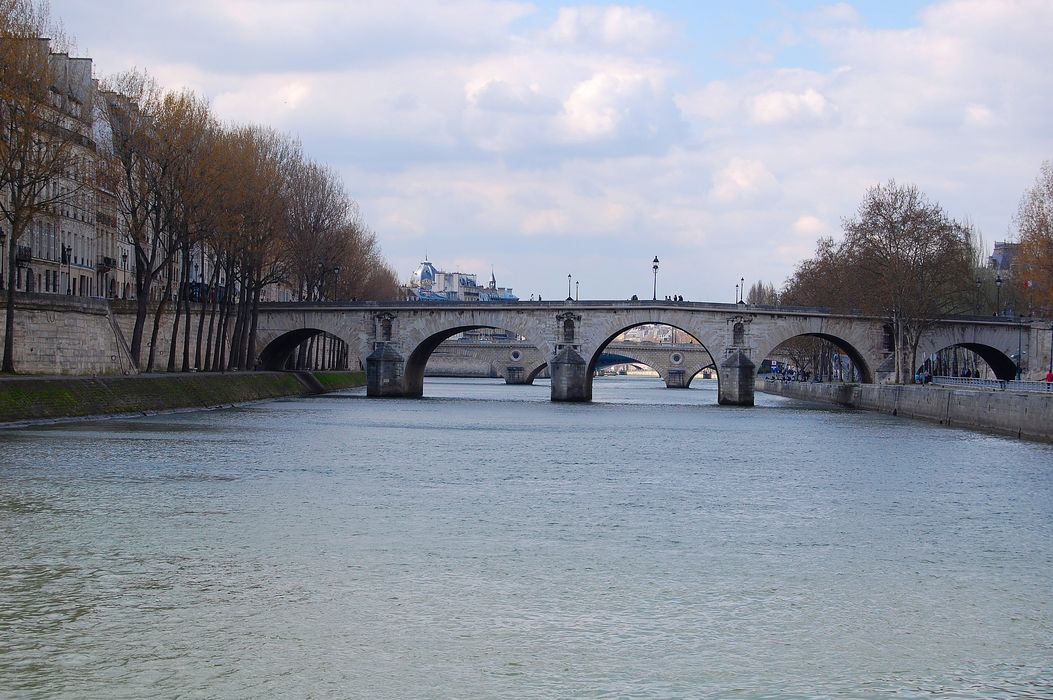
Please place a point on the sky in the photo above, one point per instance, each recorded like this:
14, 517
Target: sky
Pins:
547, 139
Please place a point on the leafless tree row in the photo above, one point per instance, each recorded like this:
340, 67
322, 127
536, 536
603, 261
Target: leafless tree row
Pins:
212, 213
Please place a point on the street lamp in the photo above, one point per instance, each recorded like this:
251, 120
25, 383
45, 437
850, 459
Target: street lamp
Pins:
998, 295
742, 289
68, 259
654, 292
978, 295
569, 297
576, 297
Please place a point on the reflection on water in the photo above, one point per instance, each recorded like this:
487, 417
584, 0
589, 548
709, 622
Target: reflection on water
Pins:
484, 542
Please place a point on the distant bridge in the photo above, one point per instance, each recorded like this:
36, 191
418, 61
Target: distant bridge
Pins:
393, 341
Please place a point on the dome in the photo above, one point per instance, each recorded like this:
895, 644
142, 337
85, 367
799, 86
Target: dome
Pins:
424, 275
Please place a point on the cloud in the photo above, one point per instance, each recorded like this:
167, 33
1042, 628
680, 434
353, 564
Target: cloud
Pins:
610, 106
742, 180
503, 133
619, 28
781, 107
979, 116
808, 225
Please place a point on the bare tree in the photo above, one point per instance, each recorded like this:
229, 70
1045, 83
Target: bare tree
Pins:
1034, 222
128, 106
762, 293
915, 258
902, 257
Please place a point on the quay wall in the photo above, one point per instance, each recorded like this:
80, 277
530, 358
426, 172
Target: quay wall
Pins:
24, 399
1021, 414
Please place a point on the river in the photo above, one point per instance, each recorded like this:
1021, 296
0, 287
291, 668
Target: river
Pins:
483, 542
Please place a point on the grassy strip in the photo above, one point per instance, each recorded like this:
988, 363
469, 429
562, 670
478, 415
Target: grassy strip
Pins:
335, 381
33, 398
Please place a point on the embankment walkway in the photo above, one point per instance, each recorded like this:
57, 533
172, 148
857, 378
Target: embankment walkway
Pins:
1023, 414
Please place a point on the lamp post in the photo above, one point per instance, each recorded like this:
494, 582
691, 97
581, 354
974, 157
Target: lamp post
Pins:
977, 294
654, 291
736, 293
576, 290
569, 297
124, 282
3, 237
68, 259
742, 289
998, 295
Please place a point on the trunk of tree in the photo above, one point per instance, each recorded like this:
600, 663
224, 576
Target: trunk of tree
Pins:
212, 300
173, 342
239, 327
161, 306
186, 334
253, 324
186, 311
219, 363
9, 314
142, 310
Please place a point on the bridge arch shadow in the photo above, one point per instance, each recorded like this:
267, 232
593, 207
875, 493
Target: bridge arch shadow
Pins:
675, 363
859, 363
1003, 366
305, 348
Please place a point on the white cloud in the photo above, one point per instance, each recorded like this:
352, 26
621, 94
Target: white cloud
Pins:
610, 106
742, 180
620, 28
979, 116
781, 107
809, 225
494, 132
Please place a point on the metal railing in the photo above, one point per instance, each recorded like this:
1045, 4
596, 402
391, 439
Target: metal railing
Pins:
994, 384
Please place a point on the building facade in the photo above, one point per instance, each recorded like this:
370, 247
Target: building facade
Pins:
76, 247
430, 284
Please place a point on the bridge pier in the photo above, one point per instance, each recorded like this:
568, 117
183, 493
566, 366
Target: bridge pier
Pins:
569, 372
515, 374
676, 378
737, 374
385, 372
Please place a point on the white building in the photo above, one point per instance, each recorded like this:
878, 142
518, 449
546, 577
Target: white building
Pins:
429, 284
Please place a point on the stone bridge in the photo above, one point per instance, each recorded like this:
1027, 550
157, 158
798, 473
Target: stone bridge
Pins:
393, 341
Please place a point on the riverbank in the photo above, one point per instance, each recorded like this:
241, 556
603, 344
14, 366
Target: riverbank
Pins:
27, 399
1019, 414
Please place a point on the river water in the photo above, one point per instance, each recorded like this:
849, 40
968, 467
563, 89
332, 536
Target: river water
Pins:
485, 543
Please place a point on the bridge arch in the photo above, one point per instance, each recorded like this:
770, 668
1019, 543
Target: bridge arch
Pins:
659, 357
417, 360
858, 359
1003, 366
276, 355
